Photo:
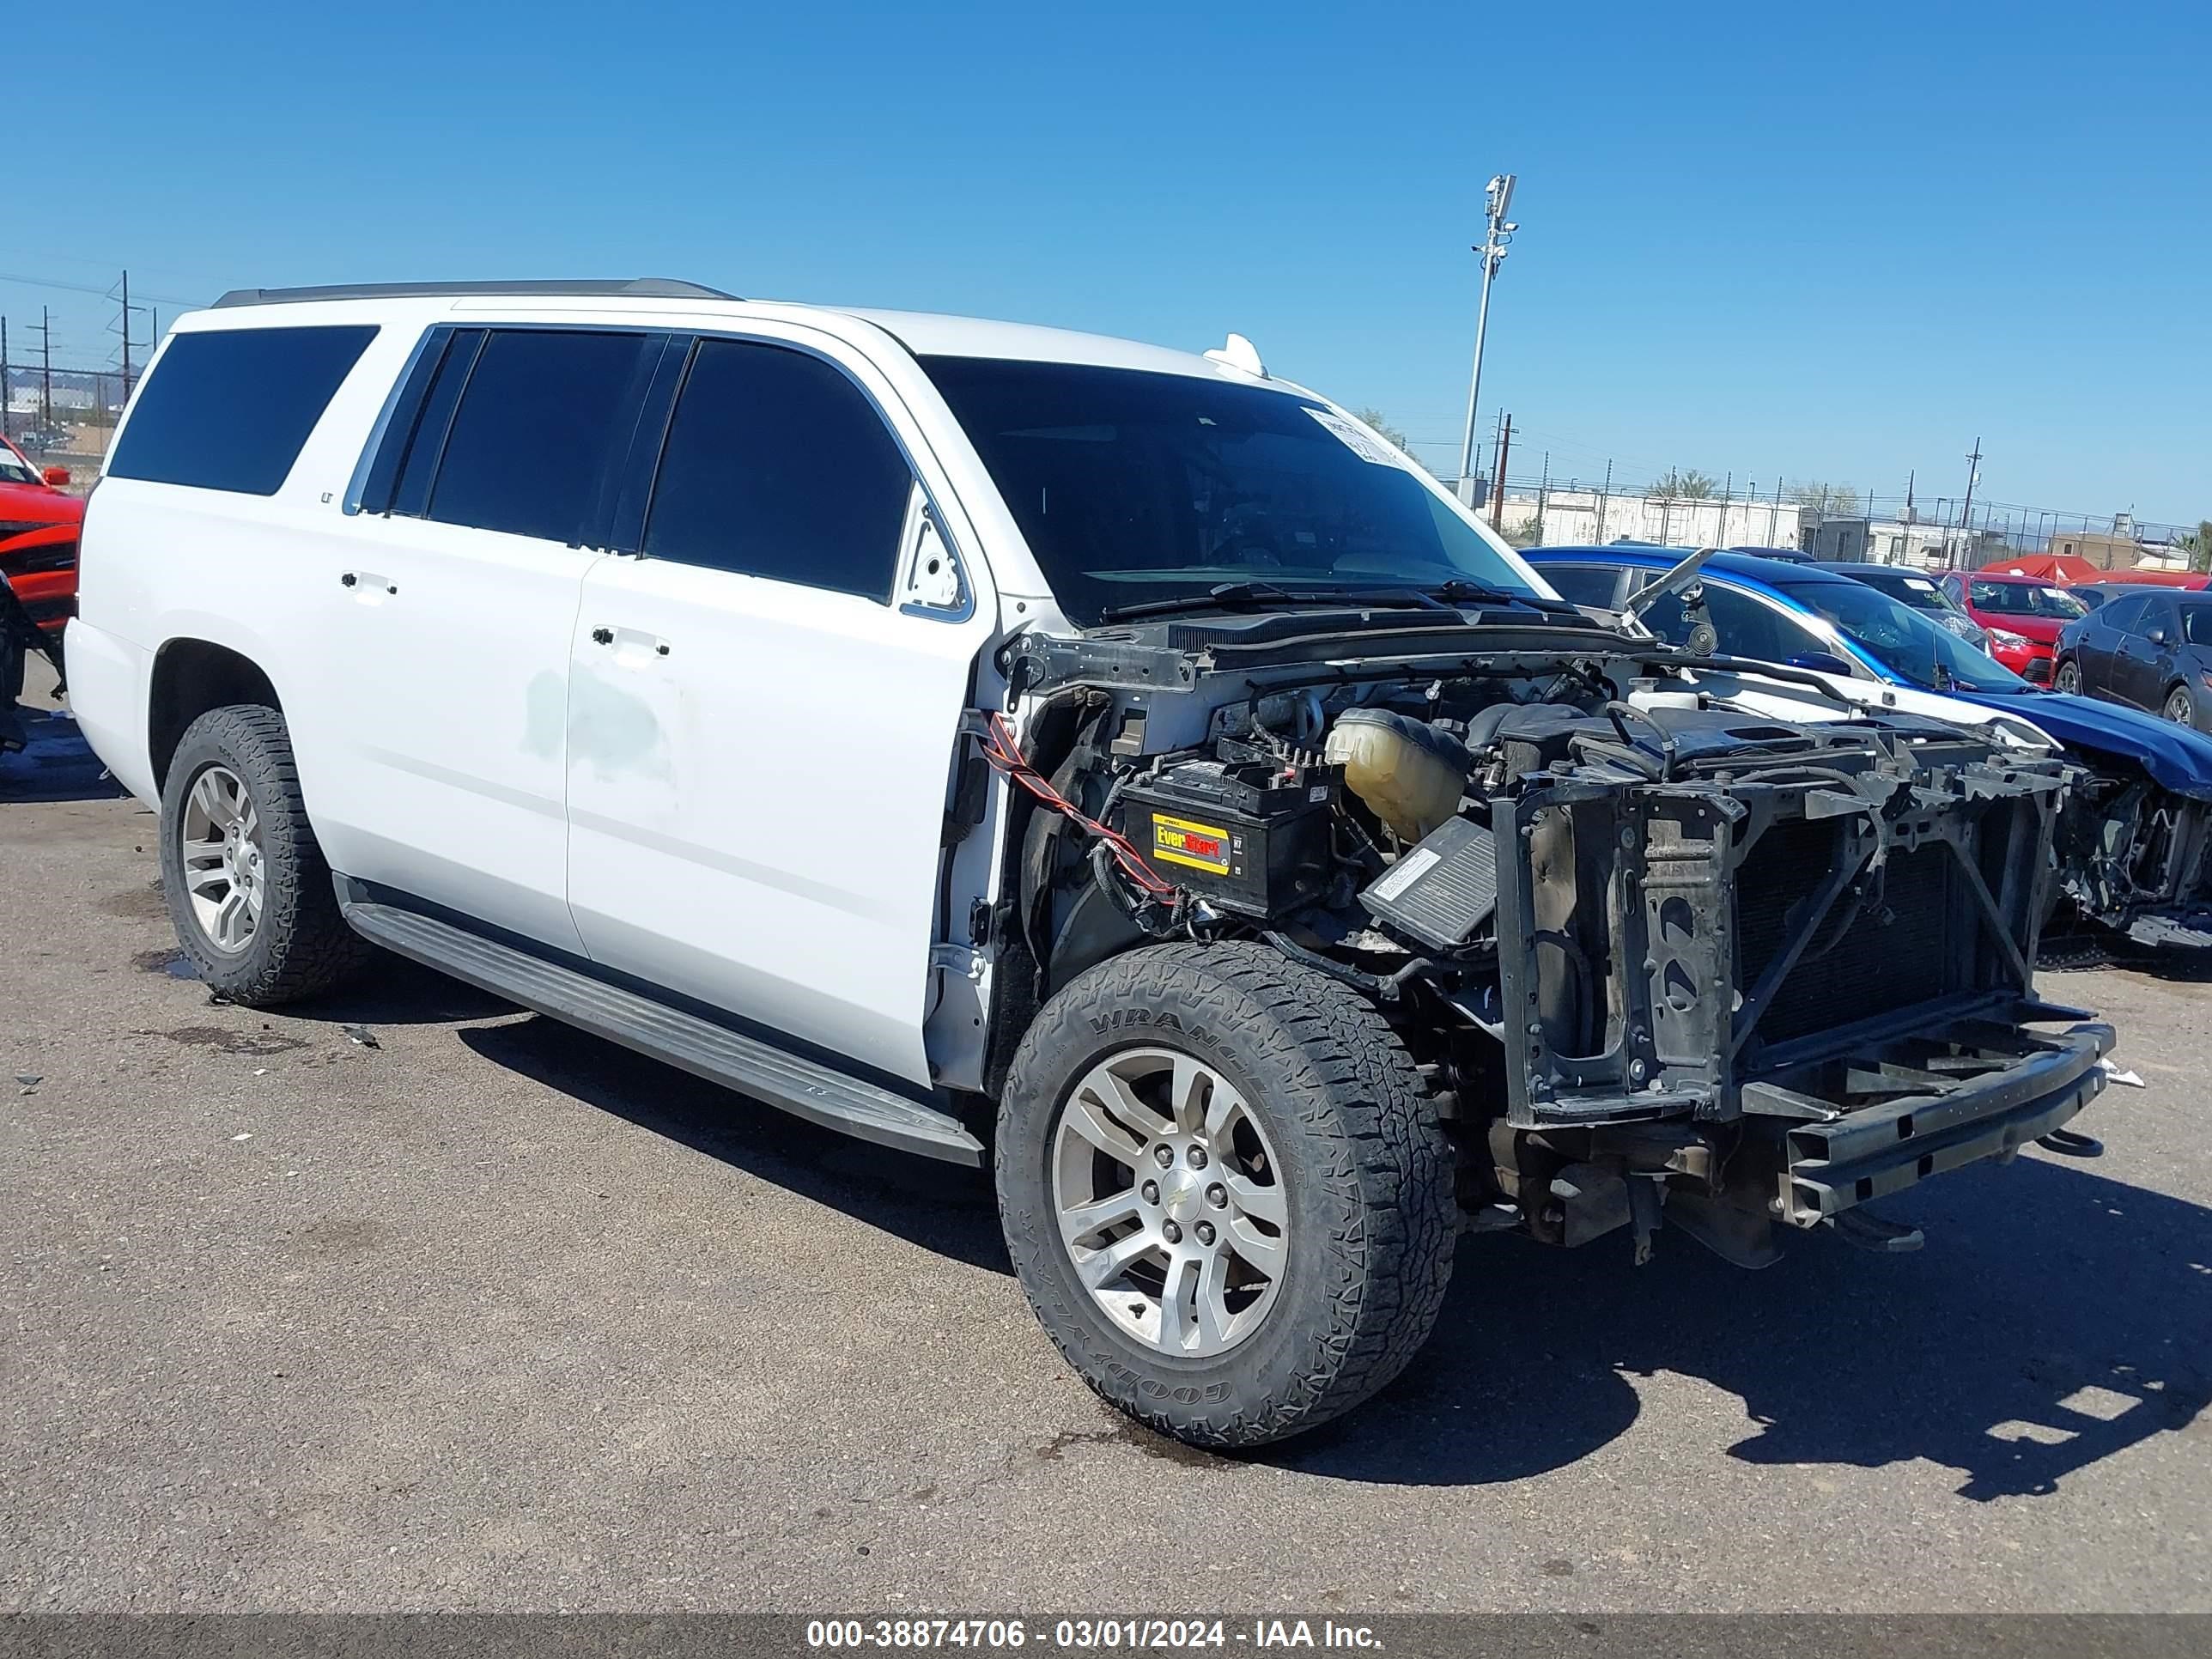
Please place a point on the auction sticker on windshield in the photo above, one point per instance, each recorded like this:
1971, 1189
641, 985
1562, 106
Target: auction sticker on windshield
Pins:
1367, 448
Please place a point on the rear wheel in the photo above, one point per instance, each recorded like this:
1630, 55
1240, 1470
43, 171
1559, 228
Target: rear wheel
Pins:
2069, 678
246, 884
2178, 707
1225, 1191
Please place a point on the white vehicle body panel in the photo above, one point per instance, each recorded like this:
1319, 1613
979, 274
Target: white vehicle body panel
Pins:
439, 708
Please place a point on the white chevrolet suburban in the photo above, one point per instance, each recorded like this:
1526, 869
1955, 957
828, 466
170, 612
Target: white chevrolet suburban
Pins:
1120, 766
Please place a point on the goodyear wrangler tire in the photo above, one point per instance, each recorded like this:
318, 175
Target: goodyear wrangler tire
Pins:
1224, 1190
246, 881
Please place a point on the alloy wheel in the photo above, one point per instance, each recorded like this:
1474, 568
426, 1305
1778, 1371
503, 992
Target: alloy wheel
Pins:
1170, 1201
219, 849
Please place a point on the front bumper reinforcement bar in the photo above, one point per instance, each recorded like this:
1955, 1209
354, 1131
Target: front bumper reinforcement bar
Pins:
1882, 1149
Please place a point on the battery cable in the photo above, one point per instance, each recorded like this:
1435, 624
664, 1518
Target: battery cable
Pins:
1003, 752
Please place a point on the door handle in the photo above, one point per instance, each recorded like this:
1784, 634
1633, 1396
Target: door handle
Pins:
366, 584
629, 643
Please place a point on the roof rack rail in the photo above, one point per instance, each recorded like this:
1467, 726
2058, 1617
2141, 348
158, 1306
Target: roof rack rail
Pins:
643, 287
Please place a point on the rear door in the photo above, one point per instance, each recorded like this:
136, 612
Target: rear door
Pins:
764, 706
2100, 636
452, 595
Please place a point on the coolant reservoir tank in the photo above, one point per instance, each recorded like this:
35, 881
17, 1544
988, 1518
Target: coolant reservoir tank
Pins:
1412, 775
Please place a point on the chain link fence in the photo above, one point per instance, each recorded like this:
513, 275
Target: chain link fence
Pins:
1833, 523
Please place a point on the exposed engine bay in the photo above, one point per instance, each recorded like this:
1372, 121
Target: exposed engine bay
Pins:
2132, 855
1665, 958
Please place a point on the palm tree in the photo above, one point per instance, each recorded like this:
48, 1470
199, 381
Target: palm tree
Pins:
1684, 485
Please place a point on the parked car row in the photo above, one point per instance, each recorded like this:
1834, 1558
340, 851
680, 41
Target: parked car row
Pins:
2132, 838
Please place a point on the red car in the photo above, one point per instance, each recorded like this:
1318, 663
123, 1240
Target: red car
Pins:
38, 528
2021, 614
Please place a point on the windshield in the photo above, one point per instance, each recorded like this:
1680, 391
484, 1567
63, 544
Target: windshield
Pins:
1901, 639
2025, 599
1135, 487
13, 469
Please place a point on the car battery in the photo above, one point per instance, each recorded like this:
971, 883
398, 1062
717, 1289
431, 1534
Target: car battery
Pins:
1251, 837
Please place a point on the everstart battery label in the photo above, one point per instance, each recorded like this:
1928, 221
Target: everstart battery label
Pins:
1199, 846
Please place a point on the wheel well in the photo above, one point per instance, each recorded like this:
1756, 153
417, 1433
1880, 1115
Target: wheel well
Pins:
189, 678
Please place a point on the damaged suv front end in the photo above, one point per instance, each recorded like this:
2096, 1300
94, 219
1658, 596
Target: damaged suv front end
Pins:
1671, 960
1355, 891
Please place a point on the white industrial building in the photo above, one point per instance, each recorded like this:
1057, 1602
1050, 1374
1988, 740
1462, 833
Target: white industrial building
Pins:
1589, 517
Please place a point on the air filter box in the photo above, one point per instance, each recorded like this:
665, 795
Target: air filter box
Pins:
1251, 837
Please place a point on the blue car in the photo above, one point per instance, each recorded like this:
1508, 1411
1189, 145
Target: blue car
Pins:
2132, 839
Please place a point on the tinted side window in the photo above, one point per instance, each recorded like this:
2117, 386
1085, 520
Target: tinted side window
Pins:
1583, 584
533, 439
2125, 614
230, 409
777, 465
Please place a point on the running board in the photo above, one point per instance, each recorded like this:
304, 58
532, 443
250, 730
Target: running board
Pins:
801, 1087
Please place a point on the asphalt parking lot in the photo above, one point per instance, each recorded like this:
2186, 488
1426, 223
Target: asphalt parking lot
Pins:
411, 1301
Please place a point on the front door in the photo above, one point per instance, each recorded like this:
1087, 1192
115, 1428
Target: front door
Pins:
760, 729
2141, 662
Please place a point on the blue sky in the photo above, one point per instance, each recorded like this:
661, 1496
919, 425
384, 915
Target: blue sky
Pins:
1775, 240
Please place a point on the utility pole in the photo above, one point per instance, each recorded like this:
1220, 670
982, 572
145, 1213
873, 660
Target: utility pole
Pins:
1965, 511
1497, 197
1543, 494
1909, 479
46, 374
1498, 481
1604, 501
127, 341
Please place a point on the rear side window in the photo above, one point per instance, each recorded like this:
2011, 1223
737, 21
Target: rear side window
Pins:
2126, 613
537, 426
1594, 584
777, 465
230, 409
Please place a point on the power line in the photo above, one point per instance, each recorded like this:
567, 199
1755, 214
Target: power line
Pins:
107, 293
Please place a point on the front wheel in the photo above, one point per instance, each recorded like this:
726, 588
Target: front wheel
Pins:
1224, 1190
2178, 707
2069, 678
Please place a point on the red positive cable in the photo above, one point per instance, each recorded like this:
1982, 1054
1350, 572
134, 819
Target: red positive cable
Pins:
1003, 751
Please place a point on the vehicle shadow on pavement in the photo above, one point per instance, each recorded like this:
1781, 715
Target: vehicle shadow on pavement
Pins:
942, 1207
55, 764
2055, 1318
394, 991
2171, 967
